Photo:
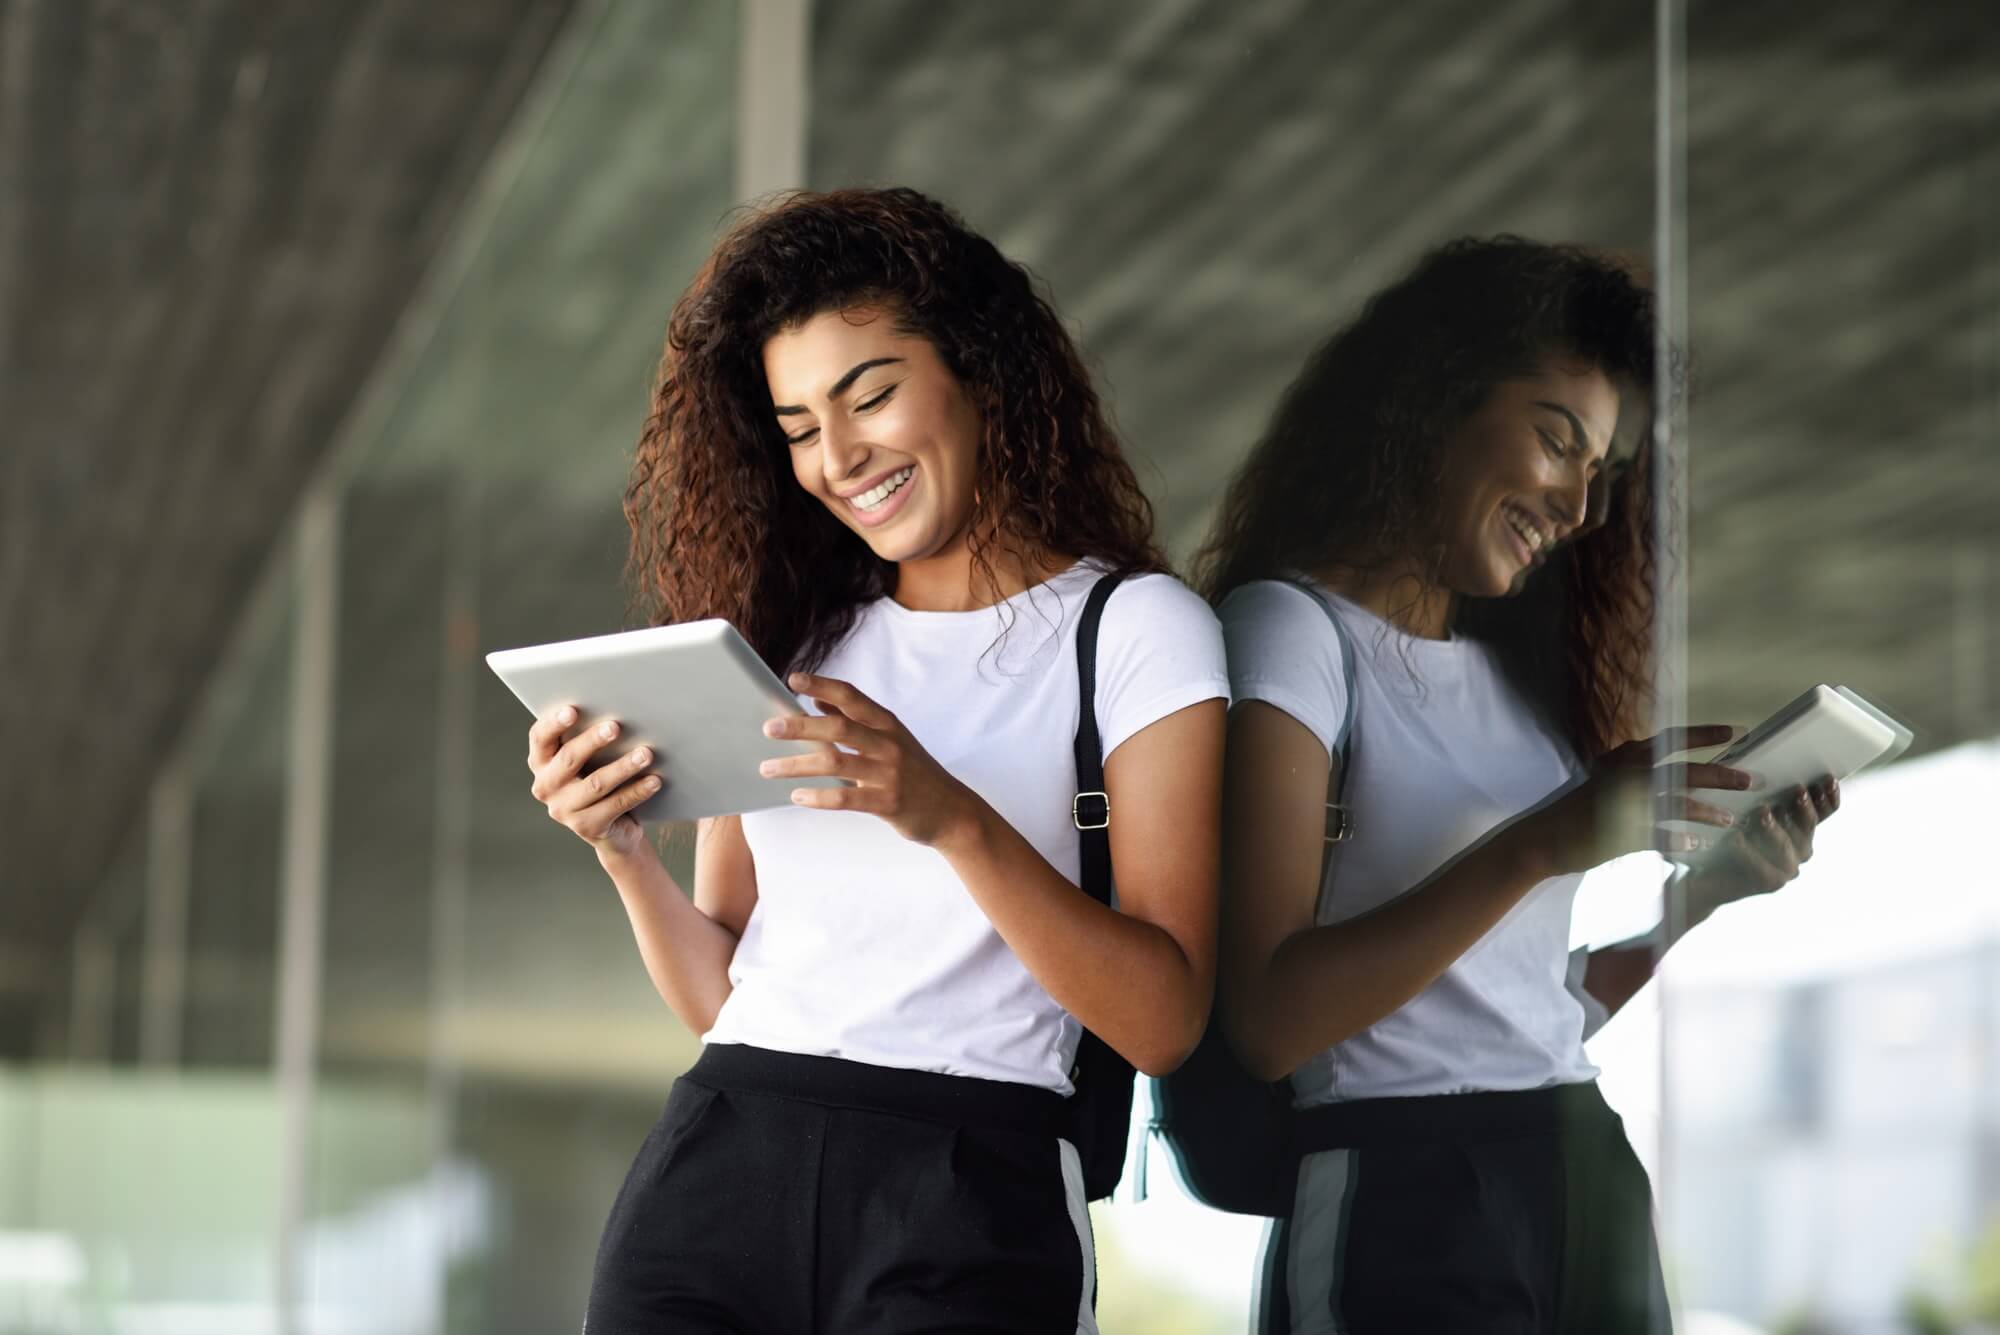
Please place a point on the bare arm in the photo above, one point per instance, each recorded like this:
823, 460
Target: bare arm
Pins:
687, 944
1141, 977
1290, 988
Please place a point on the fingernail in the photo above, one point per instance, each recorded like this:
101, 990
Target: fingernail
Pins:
608, 730
652, 782
797, 680
568, 715
642, 757
766, 768
775, 728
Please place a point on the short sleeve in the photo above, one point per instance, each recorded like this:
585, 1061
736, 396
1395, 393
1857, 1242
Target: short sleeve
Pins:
1283, 651
1159, 650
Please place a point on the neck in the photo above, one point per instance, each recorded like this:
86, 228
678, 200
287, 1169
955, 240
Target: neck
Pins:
1399, 594
947, 581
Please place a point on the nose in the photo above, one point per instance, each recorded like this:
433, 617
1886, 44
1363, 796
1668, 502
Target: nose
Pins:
1571, 503
842, 452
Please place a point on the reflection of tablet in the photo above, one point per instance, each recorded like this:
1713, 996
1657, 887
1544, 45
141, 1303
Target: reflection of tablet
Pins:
696, 693
1828, 730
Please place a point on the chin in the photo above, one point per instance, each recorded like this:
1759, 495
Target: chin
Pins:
897, 547
1500, 582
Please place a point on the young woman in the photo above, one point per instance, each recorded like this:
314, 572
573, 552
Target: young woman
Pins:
876, 452
1434, 573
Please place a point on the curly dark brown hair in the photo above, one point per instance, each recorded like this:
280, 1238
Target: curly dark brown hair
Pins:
1348, 473
720, 528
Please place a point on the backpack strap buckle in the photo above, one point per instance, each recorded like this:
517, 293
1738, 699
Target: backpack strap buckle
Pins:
1339, 823
1090, 811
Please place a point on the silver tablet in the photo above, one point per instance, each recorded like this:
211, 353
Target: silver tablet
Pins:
1827, 730
696, 693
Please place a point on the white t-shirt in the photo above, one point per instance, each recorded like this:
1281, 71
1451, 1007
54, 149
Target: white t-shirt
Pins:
1442, 750
866, 946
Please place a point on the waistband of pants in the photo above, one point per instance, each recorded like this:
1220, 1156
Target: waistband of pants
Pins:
1430, 1118
959, 1100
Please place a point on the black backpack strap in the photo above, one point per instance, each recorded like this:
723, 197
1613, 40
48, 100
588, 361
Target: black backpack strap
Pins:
1090, 809
1339, 816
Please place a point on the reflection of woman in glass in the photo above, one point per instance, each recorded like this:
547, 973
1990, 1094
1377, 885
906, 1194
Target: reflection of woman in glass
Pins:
874, 449
1438, 548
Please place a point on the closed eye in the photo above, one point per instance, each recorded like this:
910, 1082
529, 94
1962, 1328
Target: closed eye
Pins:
803, 436
875, 401
1555, 443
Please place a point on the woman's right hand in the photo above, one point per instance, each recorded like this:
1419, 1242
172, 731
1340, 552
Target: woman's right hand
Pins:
1619, 807
595, 807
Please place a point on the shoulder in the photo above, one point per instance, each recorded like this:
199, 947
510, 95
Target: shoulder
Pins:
1161, 604
1155, 616
1159, 651
1273, 621
1270, 602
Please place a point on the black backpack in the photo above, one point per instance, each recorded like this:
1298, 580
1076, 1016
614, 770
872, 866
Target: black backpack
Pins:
1100, 1111
1231, 1133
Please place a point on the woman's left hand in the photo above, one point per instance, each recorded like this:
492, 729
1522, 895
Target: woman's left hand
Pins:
1765, 849
887, 773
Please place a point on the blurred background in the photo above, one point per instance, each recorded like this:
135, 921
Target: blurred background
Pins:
326, 330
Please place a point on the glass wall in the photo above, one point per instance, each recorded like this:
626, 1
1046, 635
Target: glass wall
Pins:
1831, 1051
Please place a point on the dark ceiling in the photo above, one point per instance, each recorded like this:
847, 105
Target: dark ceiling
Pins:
212, 215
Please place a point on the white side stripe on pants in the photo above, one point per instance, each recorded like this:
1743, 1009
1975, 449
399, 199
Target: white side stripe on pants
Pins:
1079, 1216
1317, 1242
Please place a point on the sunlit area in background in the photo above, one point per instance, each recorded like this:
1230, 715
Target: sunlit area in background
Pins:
335, 324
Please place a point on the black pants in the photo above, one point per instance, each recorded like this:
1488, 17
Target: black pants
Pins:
1478, 1214
786, 1195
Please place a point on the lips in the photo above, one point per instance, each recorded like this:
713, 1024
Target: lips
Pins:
882, 490
889, 493
1530, 536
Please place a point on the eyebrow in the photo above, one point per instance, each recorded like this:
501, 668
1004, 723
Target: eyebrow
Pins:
1582, 436
840, 386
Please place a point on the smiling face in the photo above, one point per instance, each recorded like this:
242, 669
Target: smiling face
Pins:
1518, 475
879, 430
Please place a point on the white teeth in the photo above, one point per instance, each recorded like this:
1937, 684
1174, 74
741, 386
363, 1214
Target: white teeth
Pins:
889, 486
1530, 533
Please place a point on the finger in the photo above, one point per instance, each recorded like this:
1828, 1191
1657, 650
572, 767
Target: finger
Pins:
1679, 806
822, 764
546, 735
1706, 774
1681, 842
837, 694
553, 774
1826, 796
1696, 738
1758, 859
586, 744
593, 821
1772, 836
587, 790
1803, 814
823, 728
830, 799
